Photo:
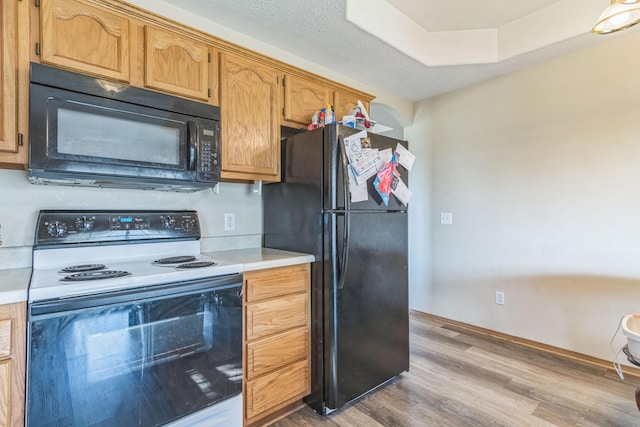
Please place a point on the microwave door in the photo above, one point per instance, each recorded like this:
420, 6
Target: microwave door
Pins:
92, 138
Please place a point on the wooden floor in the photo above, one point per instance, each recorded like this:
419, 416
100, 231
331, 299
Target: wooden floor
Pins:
460, 377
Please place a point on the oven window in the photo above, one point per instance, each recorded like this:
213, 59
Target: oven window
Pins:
142, 363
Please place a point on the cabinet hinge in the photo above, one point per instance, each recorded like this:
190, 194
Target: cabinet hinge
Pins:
284, 81
283, 111
38, 49
20, 140
37, 3
209, 92
209, 57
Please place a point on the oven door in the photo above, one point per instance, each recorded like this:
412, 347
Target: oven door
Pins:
135, 357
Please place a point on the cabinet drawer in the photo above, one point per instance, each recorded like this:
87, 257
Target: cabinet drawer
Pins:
277, 351
5, 338
276, 315
273, 391
276, 282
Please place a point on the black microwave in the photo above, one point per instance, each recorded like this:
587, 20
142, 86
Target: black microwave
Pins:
87, 131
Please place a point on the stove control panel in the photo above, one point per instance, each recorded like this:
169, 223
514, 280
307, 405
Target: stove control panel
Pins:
103, 227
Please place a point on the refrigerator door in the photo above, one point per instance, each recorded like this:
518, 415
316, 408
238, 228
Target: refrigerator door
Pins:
336, 169
366, 304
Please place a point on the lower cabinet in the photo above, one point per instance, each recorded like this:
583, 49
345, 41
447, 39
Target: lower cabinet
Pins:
277, 341
13, 330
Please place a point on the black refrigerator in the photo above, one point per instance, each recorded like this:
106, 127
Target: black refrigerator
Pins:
359, 281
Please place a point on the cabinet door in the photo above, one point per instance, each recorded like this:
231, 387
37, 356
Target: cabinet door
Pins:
343, 102
250, 126
8, 88
85, 38
13, 328
302, 98
176, 64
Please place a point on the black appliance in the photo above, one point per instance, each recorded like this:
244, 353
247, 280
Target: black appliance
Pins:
359, 279
93, 132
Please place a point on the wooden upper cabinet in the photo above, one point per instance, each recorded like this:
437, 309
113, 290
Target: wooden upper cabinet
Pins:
176, 64
8, 88
14, 84
302, 98
343, 103
250, 125
85, 38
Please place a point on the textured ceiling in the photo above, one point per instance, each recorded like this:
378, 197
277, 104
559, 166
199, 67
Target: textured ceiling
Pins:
319, 32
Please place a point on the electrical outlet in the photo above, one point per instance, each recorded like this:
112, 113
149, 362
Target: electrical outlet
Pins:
229, 222
499, 297
446, 218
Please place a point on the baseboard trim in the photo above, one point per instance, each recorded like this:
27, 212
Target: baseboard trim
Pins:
606, 364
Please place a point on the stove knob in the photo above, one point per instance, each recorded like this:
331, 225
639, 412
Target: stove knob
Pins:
187, 225
168, 221
57, 229
84, 224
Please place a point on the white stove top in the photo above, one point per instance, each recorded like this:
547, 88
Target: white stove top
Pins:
136, 259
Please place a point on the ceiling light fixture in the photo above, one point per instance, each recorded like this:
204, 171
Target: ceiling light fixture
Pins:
619, 15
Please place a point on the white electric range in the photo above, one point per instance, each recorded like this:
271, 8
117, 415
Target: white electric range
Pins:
130, 323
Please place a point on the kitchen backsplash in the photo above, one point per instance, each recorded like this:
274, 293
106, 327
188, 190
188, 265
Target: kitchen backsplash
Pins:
20, 202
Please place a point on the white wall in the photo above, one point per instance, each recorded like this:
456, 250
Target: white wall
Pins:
541, 170
20, 202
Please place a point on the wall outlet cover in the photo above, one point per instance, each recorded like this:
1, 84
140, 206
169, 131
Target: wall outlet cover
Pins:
229, 222
446, 218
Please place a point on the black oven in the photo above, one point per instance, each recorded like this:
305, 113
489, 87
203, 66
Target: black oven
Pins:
92, 132
139, 357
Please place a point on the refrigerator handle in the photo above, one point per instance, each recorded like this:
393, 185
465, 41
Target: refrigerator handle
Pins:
345, 249
344, 162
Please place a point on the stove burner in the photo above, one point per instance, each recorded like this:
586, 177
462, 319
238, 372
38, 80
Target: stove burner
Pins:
95, 275
175, 260
198, 264
84, 267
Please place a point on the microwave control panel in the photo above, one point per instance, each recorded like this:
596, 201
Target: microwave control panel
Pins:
208, 152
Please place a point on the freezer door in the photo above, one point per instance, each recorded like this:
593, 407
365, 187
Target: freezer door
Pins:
366, 304
336, 169
292, 209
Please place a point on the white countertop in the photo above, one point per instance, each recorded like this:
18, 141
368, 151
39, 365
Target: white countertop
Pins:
262, 258
15, 282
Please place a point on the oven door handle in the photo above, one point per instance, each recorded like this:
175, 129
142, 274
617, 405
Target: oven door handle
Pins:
130, 295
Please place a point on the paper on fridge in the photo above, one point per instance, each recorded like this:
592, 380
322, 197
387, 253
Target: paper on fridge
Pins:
358, 192
362, 159
401, 191
406, 157
385, 157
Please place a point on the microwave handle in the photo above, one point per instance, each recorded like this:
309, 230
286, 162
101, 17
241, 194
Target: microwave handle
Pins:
192, 130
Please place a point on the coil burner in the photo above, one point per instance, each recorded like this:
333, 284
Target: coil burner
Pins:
82, 268
175, 260
95, 275
199, 264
